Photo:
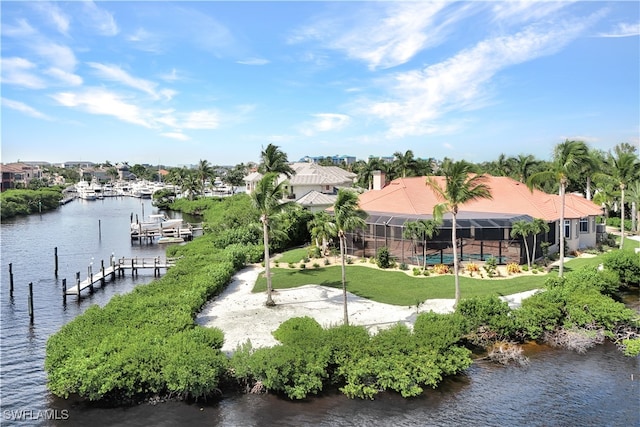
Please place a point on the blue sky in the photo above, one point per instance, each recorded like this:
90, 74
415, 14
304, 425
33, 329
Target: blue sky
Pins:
176, 82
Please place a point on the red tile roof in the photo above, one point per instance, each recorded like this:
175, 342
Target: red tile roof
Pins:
411, 196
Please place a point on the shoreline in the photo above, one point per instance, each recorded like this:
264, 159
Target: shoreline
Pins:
242, 314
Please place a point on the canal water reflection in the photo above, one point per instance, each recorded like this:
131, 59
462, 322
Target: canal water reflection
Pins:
557, 388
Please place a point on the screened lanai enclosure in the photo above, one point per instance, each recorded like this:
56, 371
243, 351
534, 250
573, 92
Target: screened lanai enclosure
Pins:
480, 236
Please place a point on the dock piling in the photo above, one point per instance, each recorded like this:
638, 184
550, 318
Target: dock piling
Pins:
10, 280
31, 301
90, 277
102, 279
55, 254
78, 282
64, 291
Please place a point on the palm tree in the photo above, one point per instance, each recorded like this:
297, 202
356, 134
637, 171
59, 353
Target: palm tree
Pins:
322, 229
538, 226
634, 198
424, 229
272, 159
347, 217
267, 199
501, 167
623, 168
593, 163
204, 171
523, 228
461, 186
404, 164
365, 171
189, 183
522, 166
568, 156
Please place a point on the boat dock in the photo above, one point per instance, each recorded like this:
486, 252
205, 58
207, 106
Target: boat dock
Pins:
116, 267
161, 227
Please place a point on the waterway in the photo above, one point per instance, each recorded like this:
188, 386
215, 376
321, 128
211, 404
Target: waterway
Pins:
557, 387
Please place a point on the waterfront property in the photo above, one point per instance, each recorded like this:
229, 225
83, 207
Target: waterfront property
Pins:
483, 226
312, 186
16, 175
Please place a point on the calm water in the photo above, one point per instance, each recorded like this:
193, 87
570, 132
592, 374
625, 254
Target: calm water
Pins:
558, 388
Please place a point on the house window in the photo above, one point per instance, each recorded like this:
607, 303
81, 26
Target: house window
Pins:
567, 228
584, 225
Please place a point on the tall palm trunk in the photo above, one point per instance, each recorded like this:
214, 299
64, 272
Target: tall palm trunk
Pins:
424, 255
454, 240
621, 215
344, 280
562, 191
526, 248
267, 266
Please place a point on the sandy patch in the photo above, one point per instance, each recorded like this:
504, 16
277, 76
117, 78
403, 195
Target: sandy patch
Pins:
242, 315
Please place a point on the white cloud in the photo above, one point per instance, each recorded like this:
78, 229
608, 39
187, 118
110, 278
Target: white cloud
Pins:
253, 61
19, 72
176, 135
54, 14
201, 120
100, 19
325, 122
117, 74
100, 101
58, 55
384, 37
623, 30
146, 41
517, 12
23, 29
64, 77
24, 108
172, 76
418, 98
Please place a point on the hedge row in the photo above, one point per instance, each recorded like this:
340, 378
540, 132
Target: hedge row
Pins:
25, 202
146, 342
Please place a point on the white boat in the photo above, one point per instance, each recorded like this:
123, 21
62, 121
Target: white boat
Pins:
170, 240
141, 191
161, 222
85, 191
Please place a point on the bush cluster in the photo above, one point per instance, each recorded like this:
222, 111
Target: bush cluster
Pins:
25, 202
310, 358
146, 342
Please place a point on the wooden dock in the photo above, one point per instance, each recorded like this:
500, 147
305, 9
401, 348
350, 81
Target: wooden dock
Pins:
117, 267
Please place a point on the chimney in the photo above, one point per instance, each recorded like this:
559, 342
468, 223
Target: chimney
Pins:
378, 180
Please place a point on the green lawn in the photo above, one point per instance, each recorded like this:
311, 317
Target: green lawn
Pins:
293, 256
396, 287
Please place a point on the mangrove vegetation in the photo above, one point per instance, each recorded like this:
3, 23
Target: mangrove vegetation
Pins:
146, 343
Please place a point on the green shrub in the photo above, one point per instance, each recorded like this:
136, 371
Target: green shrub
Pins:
631, 347
626, 264
491, 266
300, 331
383, 257
403, 266
488, 312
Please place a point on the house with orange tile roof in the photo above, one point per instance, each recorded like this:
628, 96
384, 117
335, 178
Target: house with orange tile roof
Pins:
18, 175
483, 226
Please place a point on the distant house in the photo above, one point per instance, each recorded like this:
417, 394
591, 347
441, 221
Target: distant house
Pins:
483, 226
336, 159
18, 175
313, 186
